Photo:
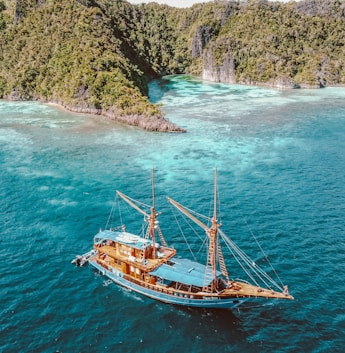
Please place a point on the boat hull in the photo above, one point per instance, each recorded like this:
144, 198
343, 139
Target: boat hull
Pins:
176, 298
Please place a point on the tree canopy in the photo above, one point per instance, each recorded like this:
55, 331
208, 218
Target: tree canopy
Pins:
100, 54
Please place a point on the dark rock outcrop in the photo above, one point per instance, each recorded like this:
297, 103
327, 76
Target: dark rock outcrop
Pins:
151, 123
231, 7
226, 72
320, 8
284, 82
218, 73
202, 36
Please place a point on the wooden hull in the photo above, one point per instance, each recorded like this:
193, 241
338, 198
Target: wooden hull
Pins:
173, 296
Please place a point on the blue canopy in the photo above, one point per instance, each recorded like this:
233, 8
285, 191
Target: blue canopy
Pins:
133, 240
184, 271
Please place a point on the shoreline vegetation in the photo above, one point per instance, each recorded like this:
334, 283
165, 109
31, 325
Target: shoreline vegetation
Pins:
97, 56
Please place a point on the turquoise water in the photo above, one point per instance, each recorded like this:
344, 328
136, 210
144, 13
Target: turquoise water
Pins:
280, 157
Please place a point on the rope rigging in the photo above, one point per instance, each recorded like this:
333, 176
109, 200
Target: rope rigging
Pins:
210, 239
190, 249
112, 212
257, 270
262, 250
145, 206
252, 270
268, 260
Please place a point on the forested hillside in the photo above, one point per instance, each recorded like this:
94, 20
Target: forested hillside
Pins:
296, 44
98, 55
79, 54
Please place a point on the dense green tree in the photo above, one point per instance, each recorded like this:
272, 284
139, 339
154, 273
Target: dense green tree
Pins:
100, 54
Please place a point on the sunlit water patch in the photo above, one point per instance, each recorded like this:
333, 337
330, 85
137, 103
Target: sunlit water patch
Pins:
21, 114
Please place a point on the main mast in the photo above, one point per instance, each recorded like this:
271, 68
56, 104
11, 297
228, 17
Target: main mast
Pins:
213, 234
210, 281
153, 218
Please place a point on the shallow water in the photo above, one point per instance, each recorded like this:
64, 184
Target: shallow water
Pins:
280, 157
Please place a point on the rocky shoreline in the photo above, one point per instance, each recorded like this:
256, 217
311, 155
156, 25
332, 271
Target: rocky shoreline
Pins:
149, 123
278, 83
159, 123
225, 72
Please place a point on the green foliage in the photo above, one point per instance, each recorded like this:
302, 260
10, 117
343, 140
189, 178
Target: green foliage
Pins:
101, 53
3, 17
271, 40
74, 54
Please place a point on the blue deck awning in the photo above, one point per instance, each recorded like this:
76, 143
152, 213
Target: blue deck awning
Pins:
184, 271
125, 238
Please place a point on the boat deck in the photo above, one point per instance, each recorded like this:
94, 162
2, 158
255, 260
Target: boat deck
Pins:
248, 290
147, 265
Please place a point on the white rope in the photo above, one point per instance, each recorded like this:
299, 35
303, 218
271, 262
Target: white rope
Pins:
261, 249
138, 202
199, 215
259, 272
246, 259
245, 262
238, 261
185, 239
112, 212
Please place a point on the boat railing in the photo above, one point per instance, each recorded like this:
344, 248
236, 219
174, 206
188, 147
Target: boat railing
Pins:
162, 289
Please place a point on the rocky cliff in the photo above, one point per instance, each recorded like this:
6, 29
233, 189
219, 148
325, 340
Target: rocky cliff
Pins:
293, 45
223, 72
97, 56
82, 55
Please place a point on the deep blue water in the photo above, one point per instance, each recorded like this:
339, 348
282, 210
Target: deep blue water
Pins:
281, 162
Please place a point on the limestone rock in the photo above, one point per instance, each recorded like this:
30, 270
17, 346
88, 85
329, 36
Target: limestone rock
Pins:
218, 73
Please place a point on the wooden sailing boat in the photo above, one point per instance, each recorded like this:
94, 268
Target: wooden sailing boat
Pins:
148, 266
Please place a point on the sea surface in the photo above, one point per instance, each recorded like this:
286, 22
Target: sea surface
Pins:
280, 156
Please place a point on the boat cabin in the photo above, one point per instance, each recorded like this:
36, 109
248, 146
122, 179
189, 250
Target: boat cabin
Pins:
129, 253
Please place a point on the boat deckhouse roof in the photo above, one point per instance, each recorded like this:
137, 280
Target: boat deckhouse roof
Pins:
183, 271
134, 241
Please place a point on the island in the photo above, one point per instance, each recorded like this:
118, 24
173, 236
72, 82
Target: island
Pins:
98, 56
